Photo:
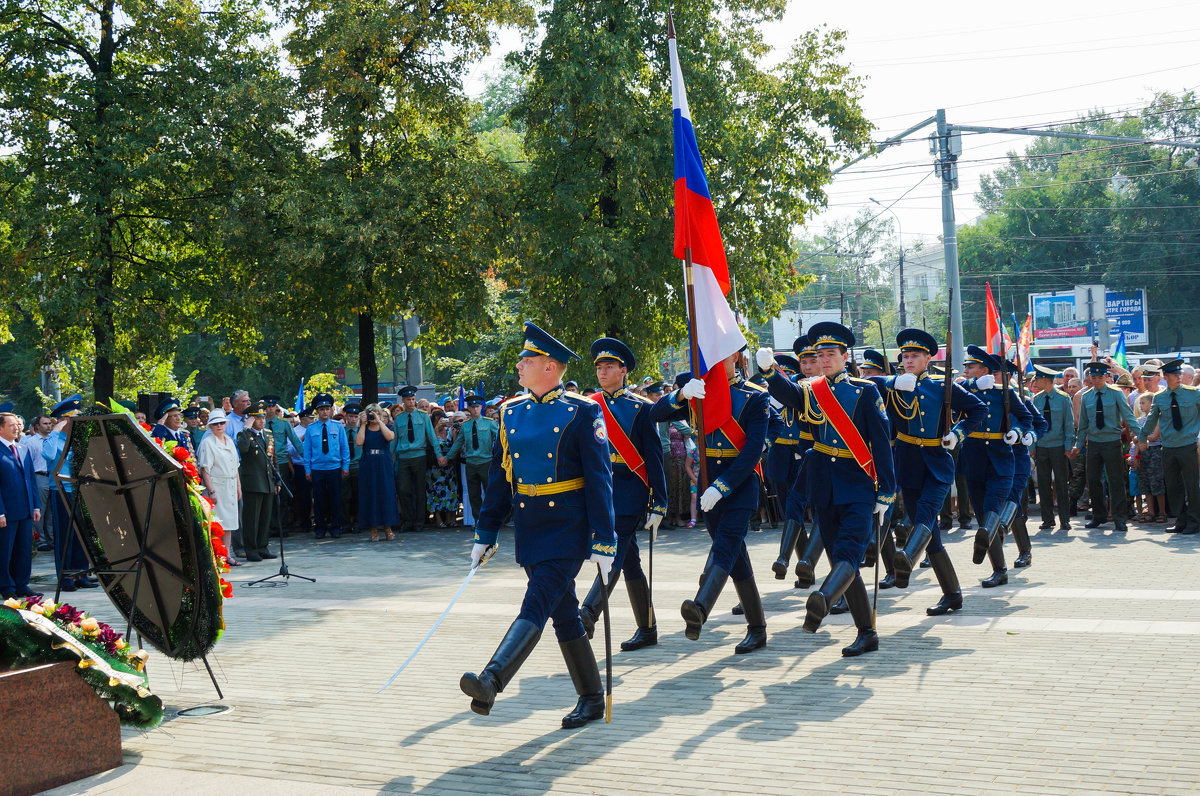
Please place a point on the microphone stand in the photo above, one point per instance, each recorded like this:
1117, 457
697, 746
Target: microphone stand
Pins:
283, 568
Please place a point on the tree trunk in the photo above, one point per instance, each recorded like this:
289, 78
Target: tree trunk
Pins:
367, 366
104, 330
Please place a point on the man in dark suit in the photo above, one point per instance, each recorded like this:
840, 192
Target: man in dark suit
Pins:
19, 510
257, 452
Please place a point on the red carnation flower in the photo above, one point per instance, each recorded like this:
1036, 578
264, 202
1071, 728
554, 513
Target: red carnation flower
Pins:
181, 453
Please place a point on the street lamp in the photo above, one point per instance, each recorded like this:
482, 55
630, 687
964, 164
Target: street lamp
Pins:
900, 235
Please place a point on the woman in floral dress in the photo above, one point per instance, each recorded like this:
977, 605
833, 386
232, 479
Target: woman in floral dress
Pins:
441, 480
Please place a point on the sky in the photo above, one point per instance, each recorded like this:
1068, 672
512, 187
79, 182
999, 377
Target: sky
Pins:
1012, 64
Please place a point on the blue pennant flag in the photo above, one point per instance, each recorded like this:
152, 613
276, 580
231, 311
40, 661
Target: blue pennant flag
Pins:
300, 397
462, 398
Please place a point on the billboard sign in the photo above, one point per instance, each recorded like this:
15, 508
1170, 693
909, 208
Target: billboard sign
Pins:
1054, 318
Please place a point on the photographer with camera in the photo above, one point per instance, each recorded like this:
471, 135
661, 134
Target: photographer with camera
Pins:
376, 486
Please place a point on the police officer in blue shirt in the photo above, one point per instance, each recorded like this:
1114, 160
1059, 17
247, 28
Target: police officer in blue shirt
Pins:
1176, 413
639, 484
915, 401
849, 472
552, 469
732, 455
70, 560
987, 456
326, 463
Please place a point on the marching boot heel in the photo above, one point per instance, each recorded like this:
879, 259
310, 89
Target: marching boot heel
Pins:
819, 602
984, 536
695, 612
518, 642
947, 578
590, 608
999, 576
888, 554
585, 675
756, 618
643, 614
907, 558
867, 639
1024, 546
806, 567
791, 534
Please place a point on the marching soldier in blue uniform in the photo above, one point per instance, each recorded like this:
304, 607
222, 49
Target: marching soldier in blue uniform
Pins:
915, 401
1101, 411
987, 456
639, 483
169, 424
1014, 516
732, 455
789, 441
1176, 412
873, 364
1054, 405
551, 468
849, 473
808, 547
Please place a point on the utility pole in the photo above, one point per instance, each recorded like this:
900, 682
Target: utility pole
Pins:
948, 147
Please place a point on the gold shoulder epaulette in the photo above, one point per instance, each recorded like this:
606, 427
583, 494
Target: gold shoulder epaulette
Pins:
516, 399
576, 396
752, 385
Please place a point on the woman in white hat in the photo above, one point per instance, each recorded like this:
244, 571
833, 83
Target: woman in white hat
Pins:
218, 461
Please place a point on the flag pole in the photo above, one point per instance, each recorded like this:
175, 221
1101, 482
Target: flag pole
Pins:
697, 403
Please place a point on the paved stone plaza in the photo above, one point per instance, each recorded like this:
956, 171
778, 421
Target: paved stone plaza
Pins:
1078, 677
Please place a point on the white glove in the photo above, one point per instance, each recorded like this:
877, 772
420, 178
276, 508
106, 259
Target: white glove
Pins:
985, 382
1027, 439
652, 523
906, 382
605, 563
881, 510
1011, 436
776, 404
481, 553
765, 357
693, 389
950, 441
709, 498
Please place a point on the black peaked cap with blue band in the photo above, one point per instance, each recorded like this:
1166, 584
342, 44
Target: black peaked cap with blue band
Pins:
801, 347
874, 359
788, 363
916, 340
828, 334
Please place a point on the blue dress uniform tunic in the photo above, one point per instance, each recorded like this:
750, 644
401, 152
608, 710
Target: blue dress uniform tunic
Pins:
789, 439
631, 496
1022, 461
840, 492
924, 469
551, 467
987, 460
730, 470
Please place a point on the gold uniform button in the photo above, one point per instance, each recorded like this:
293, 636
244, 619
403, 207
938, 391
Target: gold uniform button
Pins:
520, 480
556, 429
549, 455
551, 504
516, 456
570, 409
549, 480
522, 505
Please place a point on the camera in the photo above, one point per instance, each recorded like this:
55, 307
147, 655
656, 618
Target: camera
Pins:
371, 416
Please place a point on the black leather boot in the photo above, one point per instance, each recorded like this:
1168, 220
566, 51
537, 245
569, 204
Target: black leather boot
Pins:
868, 559
888, 554
999, 576
947, 578
906, 559
585, 674
819, 602
806, 567
984, 536
791, 535
756, 618
593, 604
518, 642
860, 608
695, 612
1020, 532
643, 614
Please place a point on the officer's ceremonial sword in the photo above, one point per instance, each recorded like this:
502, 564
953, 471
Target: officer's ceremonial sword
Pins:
440, 619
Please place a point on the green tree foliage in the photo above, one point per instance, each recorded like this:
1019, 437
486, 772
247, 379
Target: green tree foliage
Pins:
400, 210
595, 234
140, 138
1068, 212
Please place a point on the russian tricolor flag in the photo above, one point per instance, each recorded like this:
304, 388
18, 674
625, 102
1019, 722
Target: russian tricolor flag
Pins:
716, 329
